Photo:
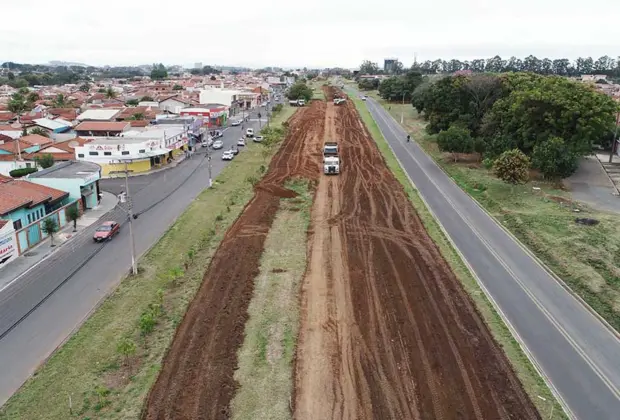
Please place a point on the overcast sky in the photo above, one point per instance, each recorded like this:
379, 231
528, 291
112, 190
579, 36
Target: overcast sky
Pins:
297, 33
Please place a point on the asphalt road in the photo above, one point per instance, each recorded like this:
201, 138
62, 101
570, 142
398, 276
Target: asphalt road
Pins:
40, 310
577, 354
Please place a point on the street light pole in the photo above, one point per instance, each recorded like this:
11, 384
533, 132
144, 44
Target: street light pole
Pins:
134, 268
402, 111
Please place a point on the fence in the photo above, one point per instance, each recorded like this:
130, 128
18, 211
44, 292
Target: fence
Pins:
32, 234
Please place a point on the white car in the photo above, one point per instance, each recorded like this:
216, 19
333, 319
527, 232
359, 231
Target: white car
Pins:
235, 123
249, 132
241, 142
228, 155
258, 139
218, 144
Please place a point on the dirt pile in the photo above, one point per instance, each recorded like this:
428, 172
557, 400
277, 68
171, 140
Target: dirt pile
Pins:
196, 380
387, 330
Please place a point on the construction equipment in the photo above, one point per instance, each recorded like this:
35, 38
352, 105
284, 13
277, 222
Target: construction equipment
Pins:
331, 158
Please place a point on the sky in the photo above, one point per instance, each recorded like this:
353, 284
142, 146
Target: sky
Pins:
313, 34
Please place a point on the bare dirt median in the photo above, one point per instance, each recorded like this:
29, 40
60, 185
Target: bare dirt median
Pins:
196, 380
387, 331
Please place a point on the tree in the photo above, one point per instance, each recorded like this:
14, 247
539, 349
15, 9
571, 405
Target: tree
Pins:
85, 88
138, 116
132, 102
455, 139
17, 104
177, 87
212, 78
32, 97
300, 91
147, 324
110, 93
512, 167
147, 99
126, 347
60, 101
368, 67
40, 131
50, 227
159, 72
45, 160
20, 172
554, 159
73, 213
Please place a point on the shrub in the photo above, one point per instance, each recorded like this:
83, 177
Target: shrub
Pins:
512, 167
554, 159
456, 140
18, 173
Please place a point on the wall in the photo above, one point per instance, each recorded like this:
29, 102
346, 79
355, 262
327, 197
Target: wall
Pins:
70, 185
8, 245
137, 166
22, 214
8, 166
217, 96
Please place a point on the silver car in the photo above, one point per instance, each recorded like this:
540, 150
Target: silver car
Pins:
218, 144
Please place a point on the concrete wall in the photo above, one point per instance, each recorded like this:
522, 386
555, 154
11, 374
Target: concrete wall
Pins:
137, 166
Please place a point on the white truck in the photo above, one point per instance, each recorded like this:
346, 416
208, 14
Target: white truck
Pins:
338, 101
331, 159
297, 102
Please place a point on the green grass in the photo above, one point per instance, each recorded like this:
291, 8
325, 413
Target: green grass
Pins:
531, 380
586, 258
88, 369
265, 373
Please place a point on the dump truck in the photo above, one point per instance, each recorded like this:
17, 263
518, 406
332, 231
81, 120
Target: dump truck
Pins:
331, 158
297, 102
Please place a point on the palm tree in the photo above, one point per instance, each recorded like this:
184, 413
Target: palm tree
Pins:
17, 104
137, 116
60, 101
39, 131
110, 93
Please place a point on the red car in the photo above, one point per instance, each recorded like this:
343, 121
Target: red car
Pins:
106, 231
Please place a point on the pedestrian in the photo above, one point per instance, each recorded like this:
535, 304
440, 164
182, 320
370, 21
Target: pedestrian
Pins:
408, 138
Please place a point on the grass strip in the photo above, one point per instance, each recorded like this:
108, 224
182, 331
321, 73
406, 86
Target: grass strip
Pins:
107, 368
265, 373
532, 382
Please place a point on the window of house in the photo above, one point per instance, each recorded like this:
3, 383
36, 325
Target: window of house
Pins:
142, 151
81, 155
107, 153
125, 152
93, 153
28, 164
29, 218
17, 224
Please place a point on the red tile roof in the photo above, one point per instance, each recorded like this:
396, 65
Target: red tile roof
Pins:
12, 146
3, 222
68, 114
7, 116
36, 139
102, 126
69, 152
139, 123
4, 138
19, 193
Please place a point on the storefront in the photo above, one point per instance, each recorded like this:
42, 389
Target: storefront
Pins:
8, 243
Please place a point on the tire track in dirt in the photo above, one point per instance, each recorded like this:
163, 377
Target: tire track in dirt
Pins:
387, 331
196, 380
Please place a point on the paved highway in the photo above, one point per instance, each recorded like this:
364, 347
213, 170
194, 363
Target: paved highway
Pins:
571, 347
40, 310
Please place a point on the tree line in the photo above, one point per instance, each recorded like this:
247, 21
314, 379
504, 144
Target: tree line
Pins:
605, 65
549, 120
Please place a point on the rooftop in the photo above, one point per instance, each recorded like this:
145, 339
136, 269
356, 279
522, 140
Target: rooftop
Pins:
35, 139
98, 114
52, 124
71, 169
19, 193
102, 126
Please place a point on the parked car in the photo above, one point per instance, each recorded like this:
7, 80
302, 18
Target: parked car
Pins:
241, 142
249, 132
228, 155
218, 144
216, 134
208, 142
258, 139
235, 123
234, 150
106, 231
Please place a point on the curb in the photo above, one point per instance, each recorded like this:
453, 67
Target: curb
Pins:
608, 176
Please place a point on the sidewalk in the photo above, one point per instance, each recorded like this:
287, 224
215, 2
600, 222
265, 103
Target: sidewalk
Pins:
43, 250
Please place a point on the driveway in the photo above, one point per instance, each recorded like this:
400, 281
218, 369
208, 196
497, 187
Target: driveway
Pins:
591, 185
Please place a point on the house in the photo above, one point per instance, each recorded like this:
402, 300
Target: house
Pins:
67, 114
147, 113
17, 147
101, 128
226, 97
98, 115
79, 179
10, 131
173, 104
27, 205
7, 117
53, 126
36, 139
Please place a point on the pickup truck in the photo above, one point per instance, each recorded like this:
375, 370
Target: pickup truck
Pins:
331, 159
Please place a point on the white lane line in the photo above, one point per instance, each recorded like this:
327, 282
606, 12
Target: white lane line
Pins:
540, 306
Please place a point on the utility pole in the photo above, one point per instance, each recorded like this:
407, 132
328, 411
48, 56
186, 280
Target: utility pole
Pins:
402, 111
210, 168
613, 143
134, 268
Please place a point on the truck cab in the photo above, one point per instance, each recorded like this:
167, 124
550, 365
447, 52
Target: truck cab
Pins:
301, 102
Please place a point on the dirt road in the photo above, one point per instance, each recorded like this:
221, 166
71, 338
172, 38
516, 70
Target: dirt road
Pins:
387, 331
196, 381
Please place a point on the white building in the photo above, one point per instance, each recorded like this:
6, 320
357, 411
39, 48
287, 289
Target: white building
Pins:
98, 115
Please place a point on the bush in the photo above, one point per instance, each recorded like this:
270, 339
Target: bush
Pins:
554, 159
512, 167
456, 140
45, 161
18, 173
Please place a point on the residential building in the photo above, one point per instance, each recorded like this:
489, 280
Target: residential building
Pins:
101, 128
226, 97
27, 205
79, 178
61, 151
173, 104
98, 115
53, 126
11, 131
36, 139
